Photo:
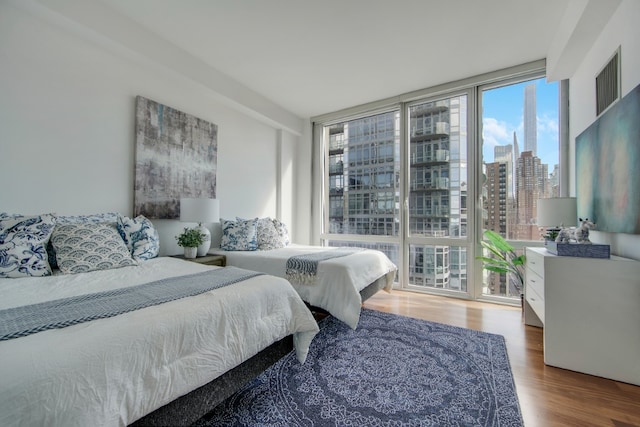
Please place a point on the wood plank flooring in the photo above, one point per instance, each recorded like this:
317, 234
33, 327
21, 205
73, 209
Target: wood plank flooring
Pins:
548, 396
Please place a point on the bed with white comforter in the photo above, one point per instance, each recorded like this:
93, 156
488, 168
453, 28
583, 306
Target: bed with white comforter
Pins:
338, 283
113, 371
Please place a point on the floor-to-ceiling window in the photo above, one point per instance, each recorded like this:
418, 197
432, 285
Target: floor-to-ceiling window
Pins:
520, 160
421, 179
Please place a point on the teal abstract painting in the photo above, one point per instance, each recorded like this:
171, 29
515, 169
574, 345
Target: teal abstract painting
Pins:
608, 168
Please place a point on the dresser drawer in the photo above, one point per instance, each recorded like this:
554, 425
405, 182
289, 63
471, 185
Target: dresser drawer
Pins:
536, 301
535, 263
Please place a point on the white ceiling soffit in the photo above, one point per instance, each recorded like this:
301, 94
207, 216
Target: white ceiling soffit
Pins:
288, 60
581, 24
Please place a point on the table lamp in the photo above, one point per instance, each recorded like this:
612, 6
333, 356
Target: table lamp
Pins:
557, 212
200, 210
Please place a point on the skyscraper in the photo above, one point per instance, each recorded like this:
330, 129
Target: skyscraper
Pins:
530, 120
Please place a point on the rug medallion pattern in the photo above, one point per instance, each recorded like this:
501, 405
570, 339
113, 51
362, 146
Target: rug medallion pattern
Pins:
390, 371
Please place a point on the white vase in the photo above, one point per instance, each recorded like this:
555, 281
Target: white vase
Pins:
190, 252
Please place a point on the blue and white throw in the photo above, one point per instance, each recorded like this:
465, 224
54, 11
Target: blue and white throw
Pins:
21, 321
304, 268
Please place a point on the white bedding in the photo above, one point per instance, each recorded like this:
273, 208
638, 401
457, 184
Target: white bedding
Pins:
339, 280
111, 372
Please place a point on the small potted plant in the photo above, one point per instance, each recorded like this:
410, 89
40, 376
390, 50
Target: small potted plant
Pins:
190, 239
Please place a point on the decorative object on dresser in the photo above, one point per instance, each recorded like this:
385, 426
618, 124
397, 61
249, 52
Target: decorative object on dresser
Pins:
575, 242
590, 312
200, 210
190, 239
176, 156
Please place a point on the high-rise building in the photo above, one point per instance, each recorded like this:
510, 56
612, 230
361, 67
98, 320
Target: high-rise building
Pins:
504, 154
530, 119
437, 195
531, 179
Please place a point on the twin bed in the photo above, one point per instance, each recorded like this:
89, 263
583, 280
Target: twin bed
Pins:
341, 283
127, 365
112, 371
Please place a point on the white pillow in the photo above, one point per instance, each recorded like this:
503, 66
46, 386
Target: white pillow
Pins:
23, 242
140, 236
87, 247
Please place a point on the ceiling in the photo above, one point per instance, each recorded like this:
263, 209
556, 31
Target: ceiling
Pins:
314, 57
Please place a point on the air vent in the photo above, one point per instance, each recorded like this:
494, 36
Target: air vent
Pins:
608, 84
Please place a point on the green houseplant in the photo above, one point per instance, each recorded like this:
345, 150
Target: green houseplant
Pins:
190, 239
504, 258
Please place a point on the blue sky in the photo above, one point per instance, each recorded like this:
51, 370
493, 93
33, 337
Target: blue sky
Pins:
503, 110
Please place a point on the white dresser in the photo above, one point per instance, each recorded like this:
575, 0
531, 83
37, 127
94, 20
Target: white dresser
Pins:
590, 311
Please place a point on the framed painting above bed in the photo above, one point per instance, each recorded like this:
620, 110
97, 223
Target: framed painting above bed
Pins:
176, 156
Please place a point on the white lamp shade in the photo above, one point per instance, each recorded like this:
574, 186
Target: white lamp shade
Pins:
199, 210
557, 211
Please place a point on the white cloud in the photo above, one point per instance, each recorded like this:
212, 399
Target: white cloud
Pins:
547, 125
495, 132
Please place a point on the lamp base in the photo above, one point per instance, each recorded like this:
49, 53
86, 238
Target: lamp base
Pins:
203, 249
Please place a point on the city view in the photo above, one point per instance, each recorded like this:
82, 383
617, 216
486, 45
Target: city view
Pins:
519, 165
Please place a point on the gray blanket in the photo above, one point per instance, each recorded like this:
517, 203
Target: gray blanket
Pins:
304, 268
22, 321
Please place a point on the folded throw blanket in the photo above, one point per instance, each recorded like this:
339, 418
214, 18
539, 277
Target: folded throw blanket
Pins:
303, 268
18, 322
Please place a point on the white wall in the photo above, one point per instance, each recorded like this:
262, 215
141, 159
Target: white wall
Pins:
67, 123
622, 30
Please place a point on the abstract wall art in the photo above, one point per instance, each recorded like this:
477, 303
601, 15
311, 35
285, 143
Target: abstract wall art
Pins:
176, 156
608, 168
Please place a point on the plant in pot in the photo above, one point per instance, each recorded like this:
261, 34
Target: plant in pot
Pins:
190, 239
504, 259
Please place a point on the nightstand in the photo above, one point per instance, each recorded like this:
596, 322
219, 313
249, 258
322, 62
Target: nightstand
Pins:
219, 260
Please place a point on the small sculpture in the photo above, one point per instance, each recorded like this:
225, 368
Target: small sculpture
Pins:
576, 235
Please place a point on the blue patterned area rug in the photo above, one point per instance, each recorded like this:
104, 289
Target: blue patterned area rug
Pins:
390, 371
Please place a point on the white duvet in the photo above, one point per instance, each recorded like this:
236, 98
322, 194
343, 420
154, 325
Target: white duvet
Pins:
338, 280
111, 372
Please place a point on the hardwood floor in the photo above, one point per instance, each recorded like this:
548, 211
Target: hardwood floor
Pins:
548, 396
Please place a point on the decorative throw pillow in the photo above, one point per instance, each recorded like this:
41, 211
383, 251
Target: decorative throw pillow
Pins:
239, 235
140, 236
87, 247
23, 242
104, 217
268, 236
282, 231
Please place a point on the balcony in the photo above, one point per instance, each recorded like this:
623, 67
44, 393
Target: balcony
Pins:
433, 184
429, 108
439, 156
336, 169
438, 130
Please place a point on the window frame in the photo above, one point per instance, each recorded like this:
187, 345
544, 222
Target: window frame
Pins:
472, 87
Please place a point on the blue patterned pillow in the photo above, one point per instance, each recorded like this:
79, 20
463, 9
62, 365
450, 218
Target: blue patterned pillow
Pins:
23, 242
282, 231
239, 235
87, 247
140, 236
105, 217
268, 236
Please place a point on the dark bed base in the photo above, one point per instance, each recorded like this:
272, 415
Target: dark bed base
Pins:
189, 408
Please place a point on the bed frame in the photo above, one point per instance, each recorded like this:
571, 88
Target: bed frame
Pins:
195, 405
